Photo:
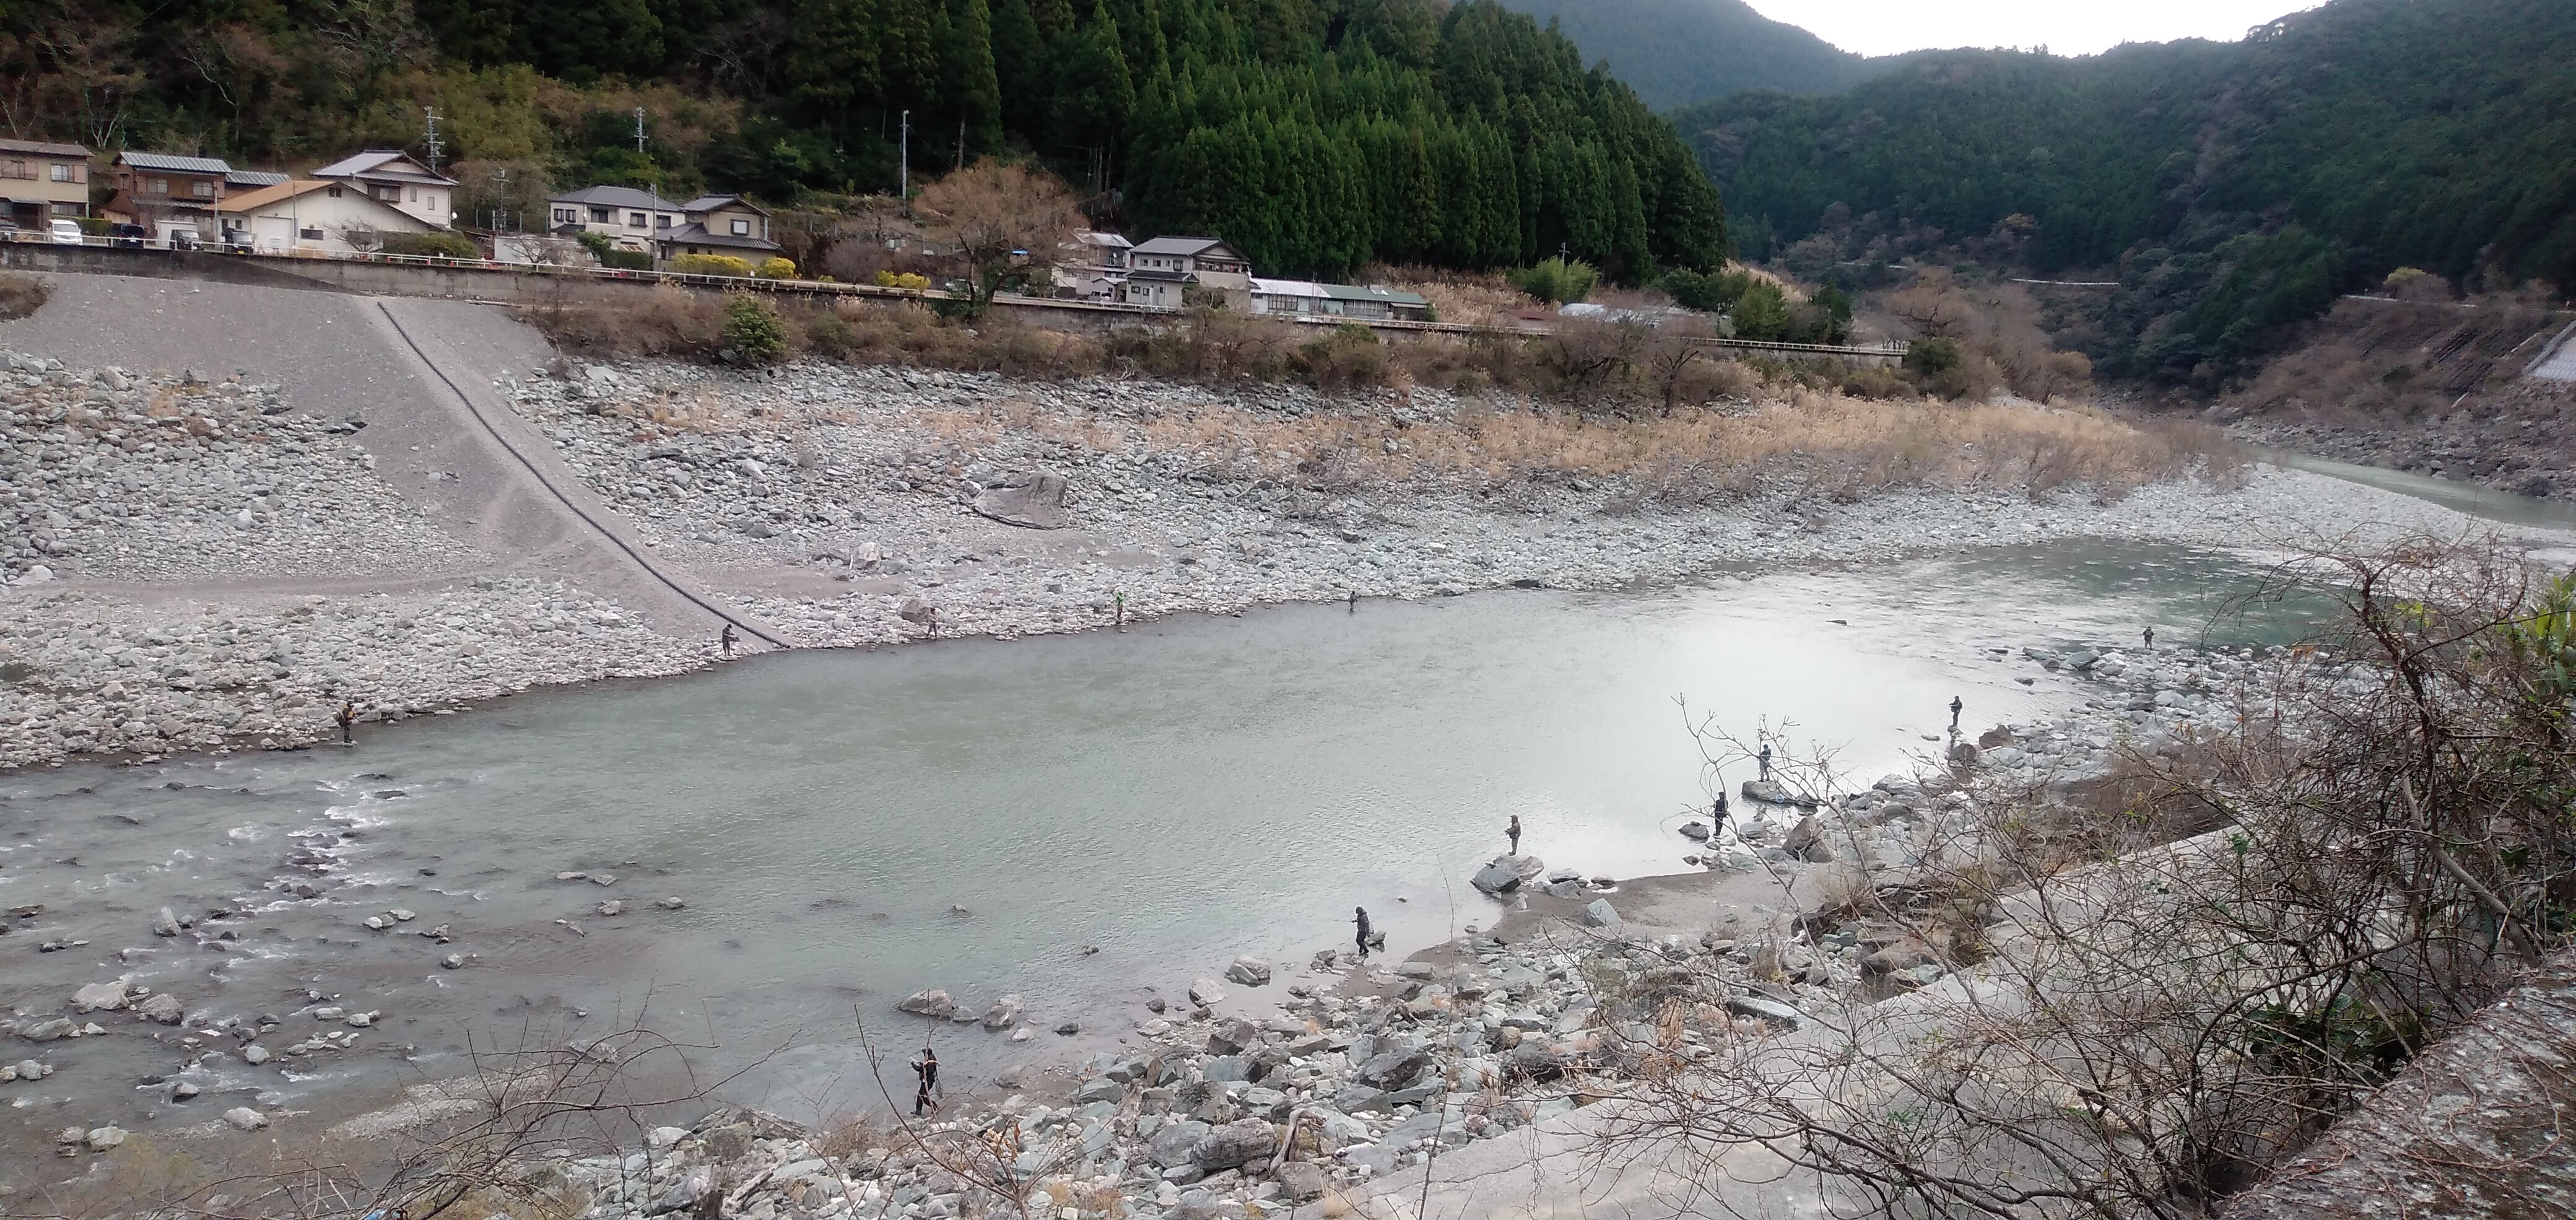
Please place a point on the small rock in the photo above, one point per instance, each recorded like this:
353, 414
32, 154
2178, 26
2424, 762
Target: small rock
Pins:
1598, 913
1249, 971
245, 1118
100, 1139
931, 1003
100, 997
1204, 992
164, 1008
255, 1055
1004, 1011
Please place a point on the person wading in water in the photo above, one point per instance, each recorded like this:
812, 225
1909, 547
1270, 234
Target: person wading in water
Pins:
1955, 705
348, 719
727, 639
927, 1068
1514, 830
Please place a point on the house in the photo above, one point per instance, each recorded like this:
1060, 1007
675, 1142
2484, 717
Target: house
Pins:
163, 190
632, 220
315, 217
40, 181
722, 224
1092, 266
393, 177
1304, 298
1215, 264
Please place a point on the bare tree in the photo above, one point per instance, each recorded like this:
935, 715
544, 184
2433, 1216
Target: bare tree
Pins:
1002, 224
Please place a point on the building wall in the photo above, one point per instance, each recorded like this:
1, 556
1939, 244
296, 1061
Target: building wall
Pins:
61, 184
317, 223
618, 225
426, 204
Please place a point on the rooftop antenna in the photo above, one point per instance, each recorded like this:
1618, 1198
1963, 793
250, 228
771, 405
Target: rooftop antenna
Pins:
430, 140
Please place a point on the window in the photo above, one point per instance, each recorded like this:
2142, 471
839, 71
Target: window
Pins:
411, 194
433, 203
334, 192
565, 216
309, 234
63, 173
662, 222
635, 220
389, 194
156, 186
742, 228
202, 190
600, 216
18, 169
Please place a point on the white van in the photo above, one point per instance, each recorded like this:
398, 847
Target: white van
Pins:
67, 233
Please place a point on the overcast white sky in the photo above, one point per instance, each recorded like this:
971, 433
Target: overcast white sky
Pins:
2068, 27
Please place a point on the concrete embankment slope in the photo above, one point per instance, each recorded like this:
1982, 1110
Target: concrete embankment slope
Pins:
420, 375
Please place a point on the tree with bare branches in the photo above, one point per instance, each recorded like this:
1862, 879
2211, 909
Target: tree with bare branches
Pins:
1001, 223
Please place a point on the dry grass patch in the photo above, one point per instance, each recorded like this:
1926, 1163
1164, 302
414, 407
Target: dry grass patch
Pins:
21, 295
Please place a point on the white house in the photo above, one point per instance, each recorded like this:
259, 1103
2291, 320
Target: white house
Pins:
1092, 266
311, 216
394, 177
1162, 271
1305, 298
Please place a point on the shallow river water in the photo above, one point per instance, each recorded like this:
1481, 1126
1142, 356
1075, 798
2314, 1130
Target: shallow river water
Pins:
1082, 820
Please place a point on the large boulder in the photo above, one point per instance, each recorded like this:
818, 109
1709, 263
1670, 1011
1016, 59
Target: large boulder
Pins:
1171, 1144
1598, 913
100, 997
1393, 1069
1499, 877
1238, 1143
1806, 841
931, 1003
1303, 1181
1204, 992
1233, 1037
1004, 1011
1032, 501
1249, 971
1761, 1009
164, 1008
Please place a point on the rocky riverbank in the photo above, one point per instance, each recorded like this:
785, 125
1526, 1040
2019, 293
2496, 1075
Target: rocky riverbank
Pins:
190, 566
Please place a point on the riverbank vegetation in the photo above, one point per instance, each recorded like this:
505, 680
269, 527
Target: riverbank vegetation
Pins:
2145, 1024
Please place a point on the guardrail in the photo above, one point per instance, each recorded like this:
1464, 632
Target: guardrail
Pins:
831, 288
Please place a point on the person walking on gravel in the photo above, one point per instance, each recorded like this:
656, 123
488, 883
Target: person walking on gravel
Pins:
1368, 937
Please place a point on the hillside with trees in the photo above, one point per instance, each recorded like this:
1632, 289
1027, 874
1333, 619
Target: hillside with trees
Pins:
1315, 135
1675, 52
2231, 189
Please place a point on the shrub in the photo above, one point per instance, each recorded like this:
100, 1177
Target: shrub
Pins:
1932, 357
597, 243
753, 331
1557, 281
905, 279
1762, 313
21, 296
777, 269
711, 264
431, 245
627, 260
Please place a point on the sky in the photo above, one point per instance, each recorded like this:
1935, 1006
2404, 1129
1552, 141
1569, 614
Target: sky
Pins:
2067, 27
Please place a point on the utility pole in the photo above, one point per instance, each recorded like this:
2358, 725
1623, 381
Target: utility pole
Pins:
961, 143
639, 131
903, 160
501, 179
430, 141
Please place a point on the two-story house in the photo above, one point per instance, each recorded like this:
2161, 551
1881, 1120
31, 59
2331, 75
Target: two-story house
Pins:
160, 190
630, 219
41, 181
1092, 266
1161, 271
393, 177
722, 224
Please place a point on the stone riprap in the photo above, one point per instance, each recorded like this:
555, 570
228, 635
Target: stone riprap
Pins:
120, 486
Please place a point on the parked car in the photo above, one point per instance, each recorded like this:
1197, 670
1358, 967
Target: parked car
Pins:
130, 236
9, 231
67, 233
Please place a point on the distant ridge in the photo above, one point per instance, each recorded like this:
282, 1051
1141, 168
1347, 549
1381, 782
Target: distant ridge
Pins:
1675, 52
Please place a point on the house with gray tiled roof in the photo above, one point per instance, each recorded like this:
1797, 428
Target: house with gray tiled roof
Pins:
392, 177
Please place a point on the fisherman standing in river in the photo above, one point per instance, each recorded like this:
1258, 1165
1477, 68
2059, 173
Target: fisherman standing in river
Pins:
348, 718
2149, 635
1514, 830
727, 640
927, 1068
1764, 759
1955, 705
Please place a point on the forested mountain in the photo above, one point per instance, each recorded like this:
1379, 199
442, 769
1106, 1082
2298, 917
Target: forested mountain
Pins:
2231, 187
1313, 134
1675, 52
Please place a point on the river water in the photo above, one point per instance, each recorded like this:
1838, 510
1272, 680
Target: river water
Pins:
1083, 820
